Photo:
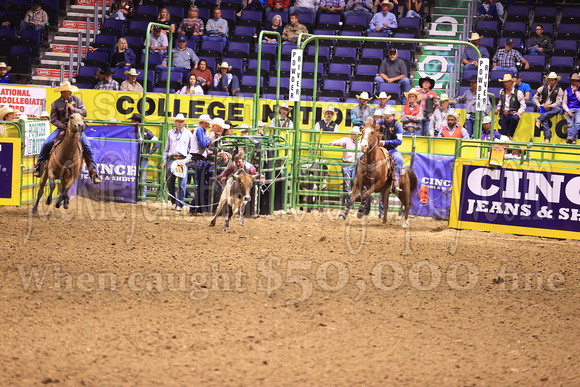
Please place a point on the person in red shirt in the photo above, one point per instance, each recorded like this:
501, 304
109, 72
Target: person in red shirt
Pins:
452, 128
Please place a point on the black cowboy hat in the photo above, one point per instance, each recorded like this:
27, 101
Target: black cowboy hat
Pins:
431, 81
473, 78
136, 117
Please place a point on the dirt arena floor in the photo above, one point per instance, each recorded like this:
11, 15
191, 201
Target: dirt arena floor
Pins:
113, 294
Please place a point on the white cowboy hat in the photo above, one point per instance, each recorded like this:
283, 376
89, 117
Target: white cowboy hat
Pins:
355, 129
474, 36
486, 120
389, 110
66, 86
3, 65
330, 108
415, 92
131, 72
453, 113
383, 95
508, 78
219, 122
504, 138
178, 170
553, 75
204, 118
179, 117
262, 124
225, 65
445, 97
5, 110
391, 5
44, 114
378, 113
23, 117
284, 105
363, 95
242, 127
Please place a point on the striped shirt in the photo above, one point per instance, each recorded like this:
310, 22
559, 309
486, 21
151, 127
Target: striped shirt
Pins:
505, 58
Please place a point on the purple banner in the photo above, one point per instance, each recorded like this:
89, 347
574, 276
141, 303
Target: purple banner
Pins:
434, 176
6, 169
117, 165
520, 197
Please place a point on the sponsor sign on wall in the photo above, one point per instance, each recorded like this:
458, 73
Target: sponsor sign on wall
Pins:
523, 199
35, 133
434, 180
27, 100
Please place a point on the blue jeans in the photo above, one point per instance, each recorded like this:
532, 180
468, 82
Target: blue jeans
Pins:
300, 10
202, 173
144, 165
405, 84
387, 32
545, 120
573, 123
181, 182
425, 126
24, 26
511, 69
398, 157
215, 38
47, 146
469, 123
348, 171
469, 67
508, 124
184, 72
413, 14
535, 51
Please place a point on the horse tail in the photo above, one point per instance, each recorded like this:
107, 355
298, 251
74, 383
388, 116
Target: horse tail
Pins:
412, 179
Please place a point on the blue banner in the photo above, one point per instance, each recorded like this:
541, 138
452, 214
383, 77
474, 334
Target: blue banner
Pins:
6, 172
434, 180
116, 162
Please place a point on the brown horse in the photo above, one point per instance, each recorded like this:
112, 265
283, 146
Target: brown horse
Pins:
65, 163
408, 185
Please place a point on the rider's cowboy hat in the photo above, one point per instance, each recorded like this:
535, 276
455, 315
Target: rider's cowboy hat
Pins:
5, 110
66, 86
178, 117
414, 92
3, 65
508, 78
389, 110
452, 113
553, 75
474, 36
430, 80
284, 105
387, 2
330, 108
225, 65
486, 120
383, 95
378, 113
131, 72
445, 97
363, 95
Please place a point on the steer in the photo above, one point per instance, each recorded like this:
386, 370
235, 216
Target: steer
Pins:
236, 194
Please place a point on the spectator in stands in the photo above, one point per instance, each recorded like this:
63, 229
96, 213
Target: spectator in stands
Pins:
217, 28
395, 9
487, 11
293, 30
439, 115
254, 5
469, 98
362, 111
548, 100
333, 7
183, 58
44, 116
412, 114
524, 87
4, 75
469, 57
429, 102
393, 70
275, 25
360, 8
451, 128
510, 107
122, 10
505, 59
123, 57
571, 107
499, 8
107, 82
540, 44
223, 80
327, 124
392, 137
146, 148
383, 98
131, 84
191, 87
486, 130
305, 6
383, 21
284, 120
35, 19
350, 143
60, 110
9, 21
414, 8
158, 42
178, 147
192, 26
278, 6
203, 75
163, 17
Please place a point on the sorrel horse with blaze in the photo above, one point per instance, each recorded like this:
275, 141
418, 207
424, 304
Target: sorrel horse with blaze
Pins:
65, 163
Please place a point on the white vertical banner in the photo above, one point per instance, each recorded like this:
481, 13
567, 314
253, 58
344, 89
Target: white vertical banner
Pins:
482, 82
35, 133
295, 74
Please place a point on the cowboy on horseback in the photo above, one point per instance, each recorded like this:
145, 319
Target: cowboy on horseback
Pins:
61, 110
392, 137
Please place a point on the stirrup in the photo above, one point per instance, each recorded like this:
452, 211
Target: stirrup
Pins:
37, 170
396, 189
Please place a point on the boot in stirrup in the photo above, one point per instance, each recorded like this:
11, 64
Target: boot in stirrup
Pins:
38, 169
395, 189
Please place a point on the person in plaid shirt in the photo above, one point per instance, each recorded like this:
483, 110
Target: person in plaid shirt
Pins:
35, 19
334, 7
107, 82
506, 59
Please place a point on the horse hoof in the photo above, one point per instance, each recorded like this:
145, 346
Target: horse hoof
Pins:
57, 205
212, 224
34, 209
342, 216
65, 206
359, 215
405, 225
48, 201
225, 229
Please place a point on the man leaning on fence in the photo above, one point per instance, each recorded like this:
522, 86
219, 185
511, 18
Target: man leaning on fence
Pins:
548, 100
177, 151
571, 107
